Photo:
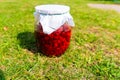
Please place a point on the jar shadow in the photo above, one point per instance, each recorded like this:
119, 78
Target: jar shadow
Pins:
27, 41
2, 76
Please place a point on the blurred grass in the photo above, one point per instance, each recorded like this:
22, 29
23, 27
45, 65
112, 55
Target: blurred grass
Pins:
94, 52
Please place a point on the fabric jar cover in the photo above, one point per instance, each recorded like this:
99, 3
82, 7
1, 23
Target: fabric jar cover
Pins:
52, 16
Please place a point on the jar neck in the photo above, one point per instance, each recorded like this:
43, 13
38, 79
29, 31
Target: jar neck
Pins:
52, 13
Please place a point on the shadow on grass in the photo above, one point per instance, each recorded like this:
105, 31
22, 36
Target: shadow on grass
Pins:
2, 77
27, 41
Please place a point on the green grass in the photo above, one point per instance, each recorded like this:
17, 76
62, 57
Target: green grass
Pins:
94, 52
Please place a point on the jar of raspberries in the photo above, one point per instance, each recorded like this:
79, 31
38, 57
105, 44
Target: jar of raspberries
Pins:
53, 28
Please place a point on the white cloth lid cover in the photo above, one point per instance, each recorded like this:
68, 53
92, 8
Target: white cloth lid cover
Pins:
52, 9
52, 16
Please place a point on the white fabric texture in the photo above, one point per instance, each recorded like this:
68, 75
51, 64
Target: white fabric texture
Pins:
51, 20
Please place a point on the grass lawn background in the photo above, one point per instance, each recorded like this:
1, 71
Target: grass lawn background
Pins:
94, 52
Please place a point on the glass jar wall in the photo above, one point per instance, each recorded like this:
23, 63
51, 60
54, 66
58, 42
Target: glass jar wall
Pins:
53, 44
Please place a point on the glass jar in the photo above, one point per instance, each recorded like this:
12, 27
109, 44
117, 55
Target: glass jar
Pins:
53, 44
53, 29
